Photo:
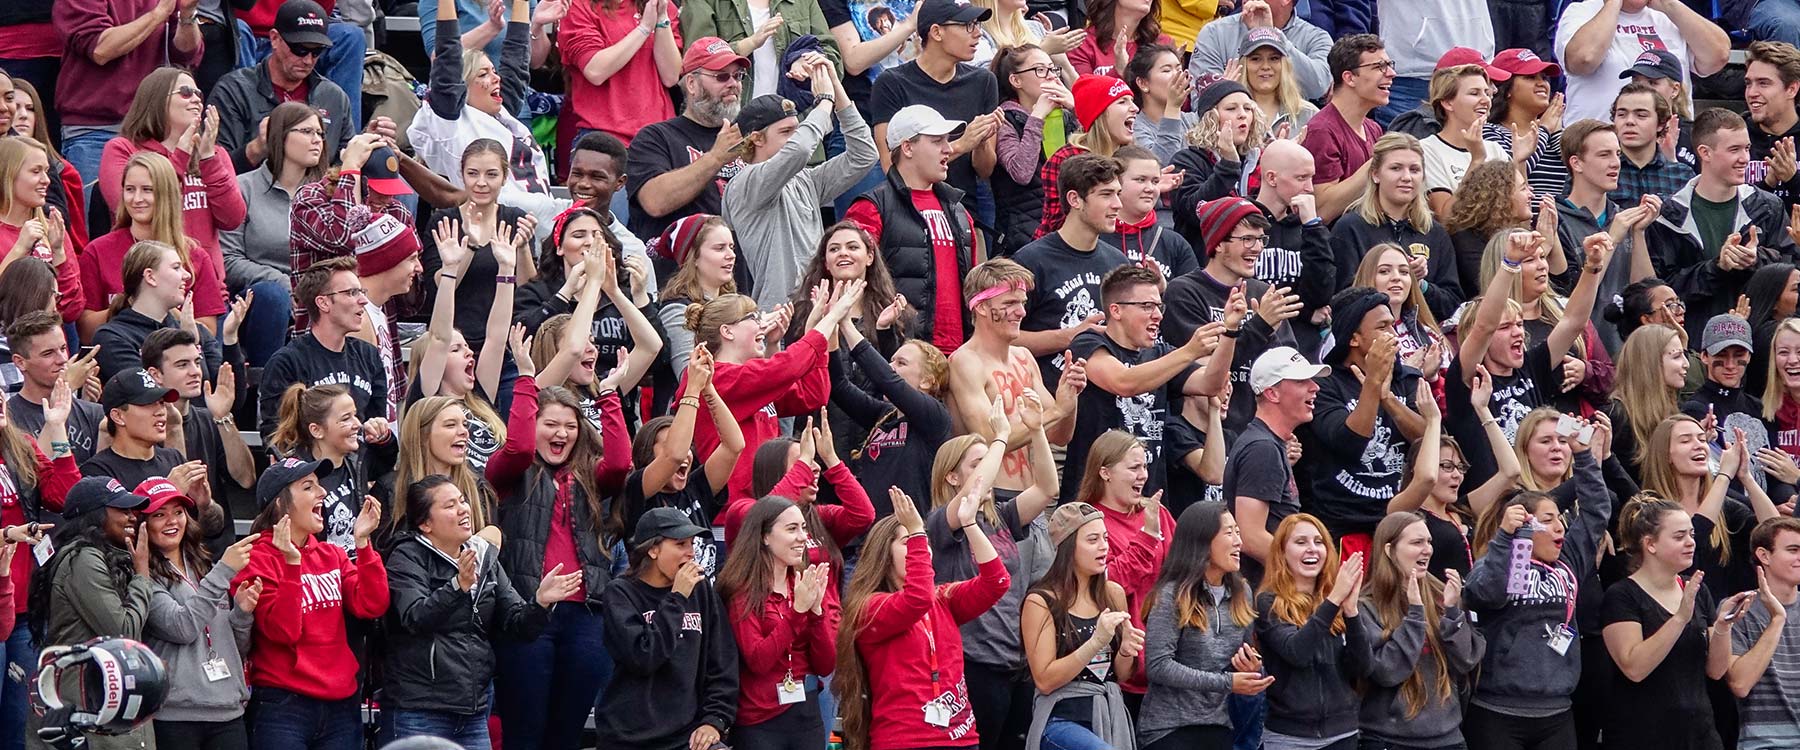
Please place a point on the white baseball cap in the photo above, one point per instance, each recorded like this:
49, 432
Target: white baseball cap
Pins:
915, 120
1282, 363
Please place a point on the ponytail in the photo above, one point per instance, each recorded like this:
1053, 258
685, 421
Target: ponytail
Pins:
302, 407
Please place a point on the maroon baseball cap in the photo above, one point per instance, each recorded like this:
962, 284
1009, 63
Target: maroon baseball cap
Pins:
711, 53
161, 492
1467, 56
1524, 62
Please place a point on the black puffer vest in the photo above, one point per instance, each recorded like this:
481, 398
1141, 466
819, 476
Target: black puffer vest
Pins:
525, 521
1018, 207
906, 244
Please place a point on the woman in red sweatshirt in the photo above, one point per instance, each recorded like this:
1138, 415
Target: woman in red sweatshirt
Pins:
35, 494
901, 685
303, 688
29, 228
552, 476
783, 618
1138, 528
792, 383
168, 117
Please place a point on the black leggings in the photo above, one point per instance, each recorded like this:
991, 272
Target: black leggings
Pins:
1194, 738
1490, 730
1001, 699
202, 735
1370, 743
797, 728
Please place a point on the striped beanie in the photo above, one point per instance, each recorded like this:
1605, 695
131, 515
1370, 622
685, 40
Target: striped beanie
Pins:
1218, 217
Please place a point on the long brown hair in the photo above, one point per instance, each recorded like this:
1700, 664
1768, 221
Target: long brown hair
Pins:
1291, 605
192, 548
582, 460
1108, 449
40, 127
767, 466
1386, 595
851, 680
413, 438
747, 564
282, 121
1415, 299
1484, 199
147, 119
685, 283
949, 455
880, 292
141, 258
166, 224
1657, 476
1103, 23
1640, 391
1061, 587
17, 449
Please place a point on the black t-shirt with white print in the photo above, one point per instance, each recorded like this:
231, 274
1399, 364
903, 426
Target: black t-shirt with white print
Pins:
1353, 477
1067, 289
698, 501
1528, 387
1143, 415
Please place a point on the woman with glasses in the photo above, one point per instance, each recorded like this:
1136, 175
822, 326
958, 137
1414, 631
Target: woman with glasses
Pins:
1037, 120
1436, 489
1653, 302
168, 117
472, 100
256, 254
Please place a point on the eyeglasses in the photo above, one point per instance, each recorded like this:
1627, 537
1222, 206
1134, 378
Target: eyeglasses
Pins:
721, 77
1250, 240
354, 292
1045, 72
1145, 305
186, 92
969, 26
1460, 468
1675, 307
1381, 65
306, 50
309, 132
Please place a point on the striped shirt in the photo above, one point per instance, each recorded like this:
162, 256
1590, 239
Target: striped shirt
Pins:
1545, 170
1770, 714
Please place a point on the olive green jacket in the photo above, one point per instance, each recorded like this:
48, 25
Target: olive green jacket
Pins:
730, 20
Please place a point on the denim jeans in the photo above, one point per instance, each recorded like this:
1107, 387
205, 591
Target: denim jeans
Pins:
547, 686
1247, 715
468, 730
266, 323
1062, 734
285, 720
82, 146
15, 701
342, 61
1405, 97
1776, 21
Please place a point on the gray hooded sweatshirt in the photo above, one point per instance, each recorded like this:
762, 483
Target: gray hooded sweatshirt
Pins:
184, 618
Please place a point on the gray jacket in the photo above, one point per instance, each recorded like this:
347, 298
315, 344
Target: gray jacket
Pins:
245, 96
774, 205
1111, 723
1189, 668
1304, 44
1397, 657
84, 606
257, 250
183, 619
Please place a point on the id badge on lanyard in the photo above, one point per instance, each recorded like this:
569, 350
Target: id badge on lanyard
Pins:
937, 712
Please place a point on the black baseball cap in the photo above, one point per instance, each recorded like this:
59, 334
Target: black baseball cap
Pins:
282, 473
941, 12
763, 111
302, 22
135, 387
665, 523
1655, 63
382, 173
93, 493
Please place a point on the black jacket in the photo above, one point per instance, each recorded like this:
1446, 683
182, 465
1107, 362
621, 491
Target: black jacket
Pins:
121, 338
1352, 237
525, 522
906, 244
1315, 671
1204, 178
440, 653
1197, 299
1419, 122
1298, 256
675, 665
1693, 271
246, 95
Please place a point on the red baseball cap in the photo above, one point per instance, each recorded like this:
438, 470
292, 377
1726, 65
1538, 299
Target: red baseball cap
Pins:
161, 492
1467, 56
1524, 62
711, 53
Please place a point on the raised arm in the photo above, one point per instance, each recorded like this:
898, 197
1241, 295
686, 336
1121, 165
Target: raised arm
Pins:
1599, 249
679, 440
492, 357
1476, 335
454, 251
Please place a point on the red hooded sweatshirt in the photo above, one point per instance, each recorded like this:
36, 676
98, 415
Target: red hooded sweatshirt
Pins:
795, 382
899, 654
298, 643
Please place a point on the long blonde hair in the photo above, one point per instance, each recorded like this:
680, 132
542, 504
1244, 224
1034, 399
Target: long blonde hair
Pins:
165, 217
1205, 132
1096, 140
1522, 443
1418, 214
478, 407
1006, 29
13, 152
413, 464
1287, 88
1657, 476
1640, 391
1548, 305
1773, 392
1415, 299
948, 456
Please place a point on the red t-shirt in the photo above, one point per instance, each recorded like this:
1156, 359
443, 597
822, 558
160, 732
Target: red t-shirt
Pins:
559, 549
1088, 57
946, 306
1133, 560
1338, 150
633, 97
297, 94
102, 263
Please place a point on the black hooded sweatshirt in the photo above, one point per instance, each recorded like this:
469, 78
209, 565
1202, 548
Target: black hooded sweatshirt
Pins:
675, 665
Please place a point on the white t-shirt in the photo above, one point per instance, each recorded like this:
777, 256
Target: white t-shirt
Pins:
1445, 164
764, 63
1591, 96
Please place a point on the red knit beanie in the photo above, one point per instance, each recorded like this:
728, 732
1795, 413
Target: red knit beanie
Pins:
383, 244
1218, 217
1093, 94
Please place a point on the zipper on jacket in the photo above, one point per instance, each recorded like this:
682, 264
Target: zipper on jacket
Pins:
434, 660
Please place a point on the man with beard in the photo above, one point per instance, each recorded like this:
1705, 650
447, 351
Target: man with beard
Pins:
1715, 231
679, 167
1771, 81
333, 298
201, 424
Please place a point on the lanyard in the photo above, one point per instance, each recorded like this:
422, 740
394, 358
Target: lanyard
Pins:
1562, 572
205, 630
931, 653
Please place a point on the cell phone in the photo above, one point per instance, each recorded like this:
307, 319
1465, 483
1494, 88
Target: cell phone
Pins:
1586, 435
1567, 425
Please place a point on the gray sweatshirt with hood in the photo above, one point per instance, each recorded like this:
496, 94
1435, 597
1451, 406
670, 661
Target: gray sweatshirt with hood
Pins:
1397, 656
183, 619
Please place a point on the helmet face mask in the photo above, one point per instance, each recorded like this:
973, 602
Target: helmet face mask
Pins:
106, 686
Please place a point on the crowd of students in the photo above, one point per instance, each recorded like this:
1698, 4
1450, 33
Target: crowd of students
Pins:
937, 375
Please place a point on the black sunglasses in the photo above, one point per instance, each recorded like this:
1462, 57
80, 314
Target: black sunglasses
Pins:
306, 50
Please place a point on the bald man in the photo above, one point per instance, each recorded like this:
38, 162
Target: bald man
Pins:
1298, 254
